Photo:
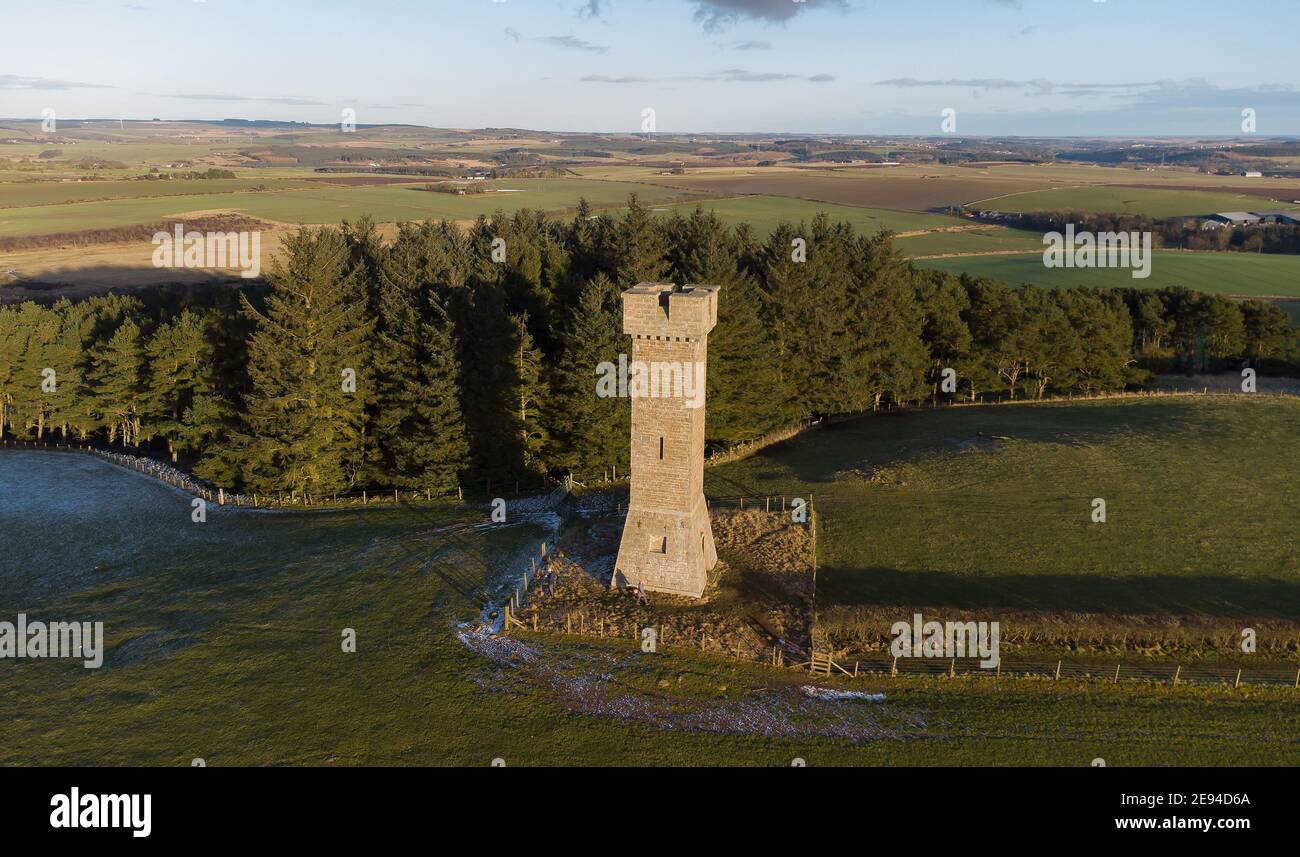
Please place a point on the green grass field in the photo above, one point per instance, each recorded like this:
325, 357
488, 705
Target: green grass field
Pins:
387, 203
27, 194
982, 240
765, 213
1128, 200
928, 509
224, 638
1248, 274
225, 646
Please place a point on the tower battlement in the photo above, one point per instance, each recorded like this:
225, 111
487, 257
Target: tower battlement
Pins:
662, 311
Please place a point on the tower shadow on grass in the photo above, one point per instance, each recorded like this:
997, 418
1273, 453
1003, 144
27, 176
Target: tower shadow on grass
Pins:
1169, 594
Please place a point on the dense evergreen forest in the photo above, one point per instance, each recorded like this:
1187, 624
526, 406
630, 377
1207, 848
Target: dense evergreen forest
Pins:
422, 363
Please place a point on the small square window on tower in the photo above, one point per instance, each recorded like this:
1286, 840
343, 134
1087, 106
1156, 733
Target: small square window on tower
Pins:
659, 544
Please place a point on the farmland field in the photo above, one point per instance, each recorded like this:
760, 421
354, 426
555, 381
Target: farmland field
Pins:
989, 510
1244, 274
1157, 203
223, 644
909, 189
47, 188
26, 194
385, 203
980, 239
764, 213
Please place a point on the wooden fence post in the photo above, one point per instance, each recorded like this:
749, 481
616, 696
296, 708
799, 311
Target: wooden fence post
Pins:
1116, 679
1237, 683
1177, 673
1058, 671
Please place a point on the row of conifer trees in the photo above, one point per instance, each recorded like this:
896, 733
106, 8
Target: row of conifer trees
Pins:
443, 355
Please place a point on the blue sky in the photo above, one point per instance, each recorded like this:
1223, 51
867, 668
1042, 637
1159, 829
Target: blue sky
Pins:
1029, 67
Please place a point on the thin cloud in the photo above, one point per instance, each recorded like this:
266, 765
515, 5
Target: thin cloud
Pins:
1037, 86
18, 81
571, 43
751, 45
604, 78
726, 75
290, 100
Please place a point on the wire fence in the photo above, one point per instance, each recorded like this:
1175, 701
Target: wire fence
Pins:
1169, 673
174, 476
450, 547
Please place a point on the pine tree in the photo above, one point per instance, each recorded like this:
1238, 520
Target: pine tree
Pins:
747, 392
116, 384
807, 287
530, 391
180, 369
639, 248
943, 330
748, 395
304, 421
22, 361
418, 427
590, 432
885, 354
485, 342
12, 345
65, 405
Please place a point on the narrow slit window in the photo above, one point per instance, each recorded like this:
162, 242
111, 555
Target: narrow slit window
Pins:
661, 448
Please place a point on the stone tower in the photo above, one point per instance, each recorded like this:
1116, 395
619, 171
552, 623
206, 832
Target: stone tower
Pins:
667, 543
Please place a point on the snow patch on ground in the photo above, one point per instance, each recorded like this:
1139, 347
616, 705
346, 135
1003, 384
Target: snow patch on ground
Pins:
602, 684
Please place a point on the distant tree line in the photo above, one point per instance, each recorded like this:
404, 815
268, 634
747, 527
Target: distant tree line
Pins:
122, 234
421, 363
1179, 233
188, 175
456, 187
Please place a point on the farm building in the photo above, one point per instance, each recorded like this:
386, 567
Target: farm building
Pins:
1287, 218
1230, 218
